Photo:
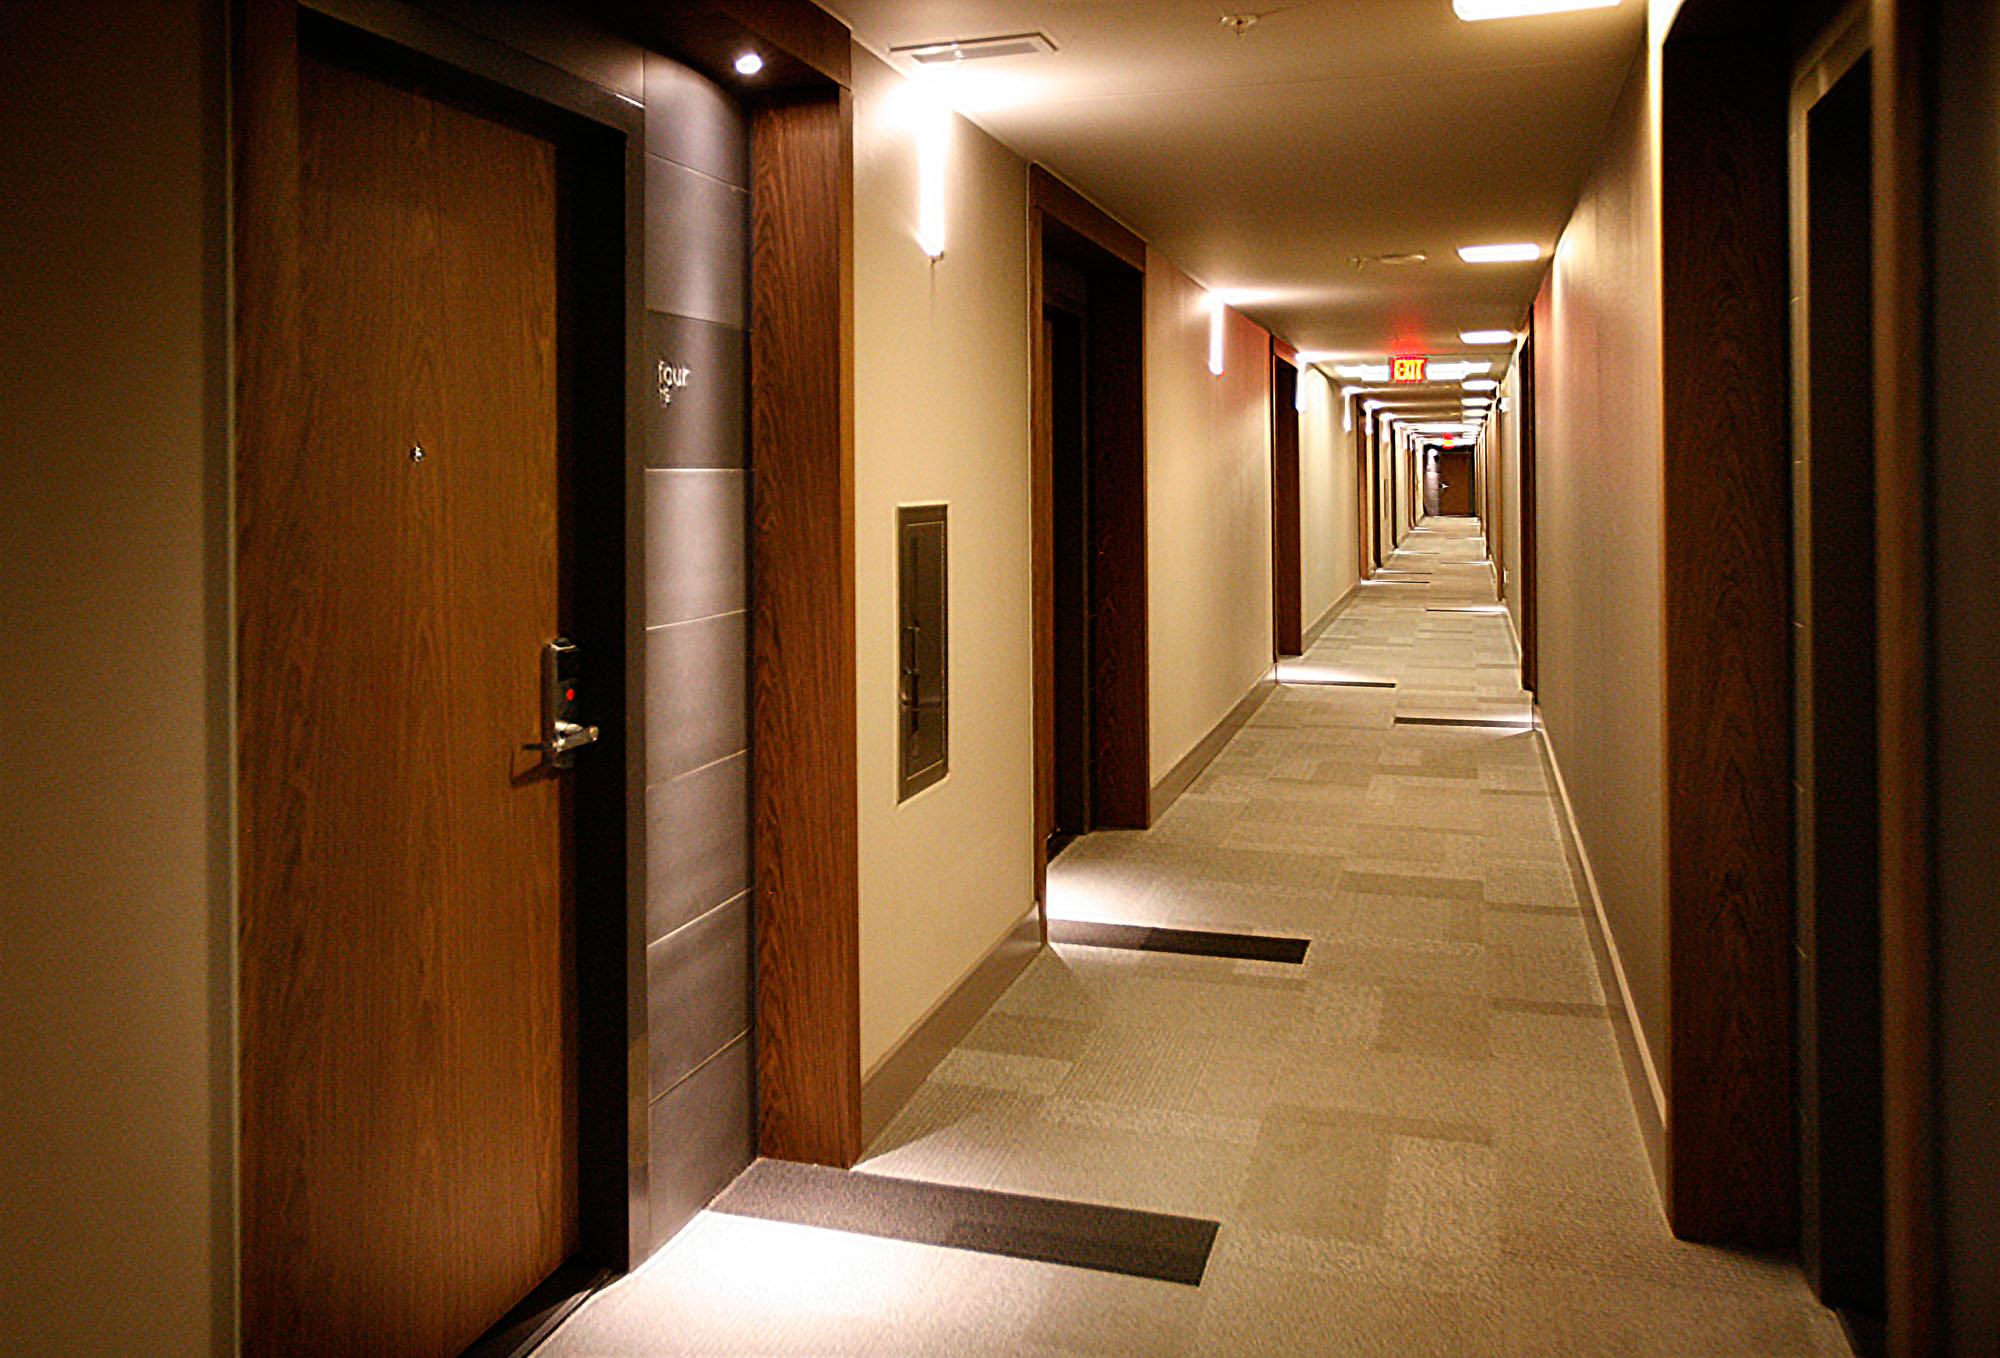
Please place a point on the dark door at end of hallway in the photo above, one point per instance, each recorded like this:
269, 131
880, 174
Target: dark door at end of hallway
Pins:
1454, 485
1071, 565
409, 1089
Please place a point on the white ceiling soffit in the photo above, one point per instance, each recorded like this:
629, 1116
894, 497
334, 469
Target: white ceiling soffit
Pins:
1328, 131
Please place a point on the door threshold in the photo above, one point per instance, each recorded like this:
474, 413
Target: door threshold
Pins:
522, 1330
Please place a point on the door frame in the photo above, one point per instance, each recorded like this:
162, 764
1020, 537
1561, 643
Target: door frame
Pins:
1116, 259
1525, 472
1838, 1184
1902, 37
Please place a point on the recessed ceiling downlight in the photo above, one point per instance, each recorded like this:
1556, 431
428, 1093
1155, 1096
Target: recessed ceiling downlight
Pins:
976, 49
1475, 10
749, 64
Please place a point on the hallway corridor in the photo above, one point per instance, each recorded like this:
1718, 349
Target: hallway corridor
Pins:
1417, 1142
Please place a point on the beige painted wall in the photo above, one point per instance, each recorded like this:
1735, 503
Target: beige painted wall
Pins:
941, 414
1208, 513
1598, 459
115, 1115
1327, 487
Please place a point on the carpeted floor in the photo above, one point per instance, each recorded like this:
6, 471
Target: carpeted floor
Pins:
1416, 1142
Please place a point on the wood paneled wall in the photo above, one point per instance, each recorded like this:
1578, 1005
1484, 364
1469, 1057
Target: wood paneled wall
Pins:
802, 634
1732, 1170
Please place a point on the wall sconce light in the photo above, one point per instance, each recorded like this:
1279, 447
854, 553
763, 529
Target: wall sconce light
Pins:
933, 157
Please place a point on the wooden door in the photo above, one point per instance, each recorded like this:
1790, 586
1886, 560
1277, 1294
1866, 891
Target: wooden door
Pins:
1070, 540
408, 1088
1287, 584
1454, 484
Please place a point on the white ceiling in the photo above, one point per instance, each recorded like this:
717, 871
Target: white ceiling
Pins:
1329, 130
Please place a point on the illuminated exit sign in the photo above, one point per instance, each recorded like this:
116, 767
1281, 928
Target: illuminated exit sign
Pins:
1406, 369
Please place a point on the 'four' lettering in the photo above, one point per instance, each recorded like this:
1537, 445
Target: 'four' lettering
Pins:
672, 379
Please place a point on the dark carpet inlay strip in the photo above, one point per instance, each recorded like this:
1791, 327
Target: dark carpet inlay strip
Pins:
1193, 942
1338, 683
1499, 723
1172, 1249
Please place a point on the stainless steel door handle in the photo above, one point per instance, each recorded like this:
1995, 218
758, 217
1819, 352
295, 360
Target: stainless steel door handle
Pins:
562, 733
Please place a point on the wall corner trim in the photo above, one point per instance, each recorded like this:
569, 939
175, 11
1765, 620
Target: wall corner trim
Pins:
1642, 1075
1177, 780
906, 1065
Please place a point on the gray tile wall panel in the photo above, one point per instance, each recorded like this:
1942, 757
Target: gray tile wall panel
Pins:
698, 843
694, 545
701, 1137
698, 412
699, 921
697, 695
697, 245
691, 122
698, 990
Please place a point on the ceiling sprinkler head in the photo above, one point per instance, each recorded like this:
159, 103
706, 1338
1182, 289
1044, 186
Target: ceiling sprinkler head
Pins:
1236, 23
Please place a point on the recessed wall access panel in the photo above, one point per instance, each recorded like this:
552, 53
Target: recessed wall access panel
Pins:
921, 711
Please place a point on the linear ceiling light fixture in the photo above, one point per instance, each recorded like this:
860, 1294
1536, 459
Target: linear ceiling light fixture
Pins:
1474, 10
1481, 384
976, 49
1500, 254
1486, 337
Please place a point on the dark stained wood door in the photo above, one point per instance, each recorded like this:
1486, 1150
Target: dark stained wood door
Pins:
1071, 541
1287, 582
1454, 484
409, 1163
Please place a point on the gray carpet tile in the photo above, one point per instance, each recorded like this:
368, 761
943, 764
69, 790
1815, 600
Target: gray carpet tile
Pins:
1418, 1141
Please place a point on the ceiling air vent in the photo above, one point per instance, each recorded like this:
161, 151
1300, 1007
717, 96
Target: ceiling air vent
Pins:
976, 49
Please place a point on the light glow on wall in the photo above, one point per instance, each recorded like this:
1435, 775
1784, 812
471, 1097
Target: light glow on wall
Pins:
1215, 322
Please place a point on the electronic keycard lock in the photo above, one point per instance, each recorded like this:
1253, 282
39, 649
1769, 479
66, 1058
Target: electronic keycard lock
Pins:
562, 733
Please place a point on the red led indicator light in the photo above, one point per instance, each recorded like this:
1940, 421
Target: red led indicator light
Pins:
569, 695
